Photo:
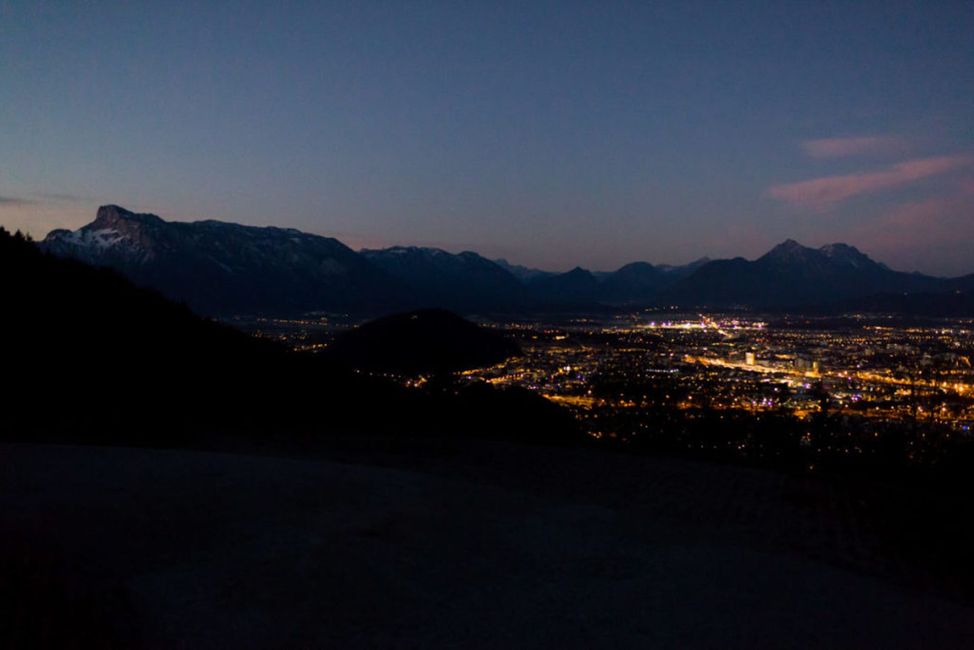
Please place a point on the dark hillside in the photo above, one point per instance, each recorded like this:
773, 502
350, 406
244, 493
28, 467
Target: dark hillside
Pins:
90, 357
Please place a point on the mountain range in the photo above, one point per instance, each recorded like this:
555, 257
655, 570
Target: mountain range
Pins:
223, 268
220, 268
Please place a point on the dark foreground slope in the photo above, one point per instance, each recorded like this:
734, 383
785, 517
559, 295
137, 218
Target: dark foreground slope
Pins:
96, 359
467, 545
93, 358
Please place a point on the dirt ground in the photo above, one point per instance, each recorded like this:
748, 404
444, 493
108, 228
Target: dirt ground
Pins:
460, 545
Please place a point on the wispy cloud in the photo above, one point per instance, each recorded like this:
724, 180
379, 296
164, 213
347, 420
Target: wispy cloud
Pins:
60, 196
14, 200
37, 198
852, 146
823, 193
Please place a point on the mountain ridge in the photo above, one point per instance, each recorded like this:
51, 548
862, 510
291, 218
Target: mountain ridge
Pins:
225, 268
464, 281
221, 268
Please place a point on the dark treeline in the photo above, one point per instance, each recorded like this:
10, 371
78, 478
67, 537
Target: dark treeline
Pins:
89, 357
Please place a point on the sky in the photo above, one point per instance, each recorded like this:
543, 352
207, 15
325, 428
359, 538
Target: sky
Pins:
551, 134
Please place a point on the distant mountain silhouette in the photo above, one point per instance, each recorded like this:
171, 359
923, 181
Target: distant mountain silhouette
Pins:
681, 271
791, 275
464, 282
520, 272
89, 357
426, 341
576, 288
636, 282
226, 269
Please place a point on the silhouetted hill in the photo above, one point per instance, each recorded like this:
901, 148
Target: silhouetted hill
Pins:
643, 284
89, 357
465, 282
427, 341
575, 288
963, 283
639, 282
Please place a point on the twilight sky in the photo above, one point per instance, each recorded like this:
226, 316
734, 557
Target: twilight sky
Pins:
553, 134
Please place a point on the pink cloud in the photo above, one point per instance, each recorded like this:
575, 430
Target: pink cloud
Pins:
822, 193
842, 147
